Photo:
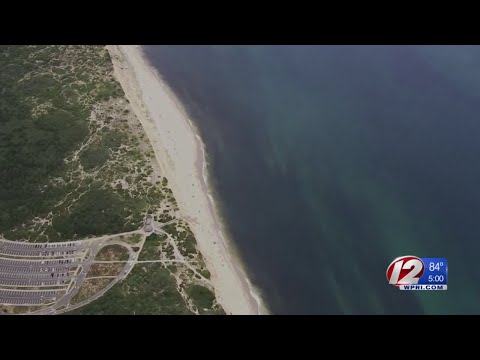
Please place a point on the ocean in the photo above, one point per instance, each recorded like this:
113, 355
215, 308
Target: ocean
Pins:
330, 161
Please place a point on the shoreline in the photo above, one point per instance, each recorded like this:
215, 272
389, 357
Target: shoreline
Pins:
168, 128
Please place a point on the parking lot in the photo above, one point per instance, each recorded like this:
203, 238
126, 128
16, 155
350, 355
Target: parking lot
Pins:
29, 297
48, 276
32, 267
32, 246
21, 249
34, 282
38, 274
8, 262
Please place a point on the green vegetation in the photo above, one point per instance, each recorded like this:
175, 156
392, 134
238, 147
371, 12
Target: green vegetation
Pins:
151, 249
215, 312
112, 253
189, 244
31, 150
131, 239
202, 297
114, 139
165, 218
148, 290
164, 182
185, 239
171, 229
10, 309
94, 157
98, 212
89, 288
33, 143
205, 273
65, 145
75, 163
105, 269
169, 251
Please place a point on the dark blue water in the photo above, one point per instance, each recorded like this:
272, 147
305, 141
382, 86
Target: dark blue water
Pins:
330, 161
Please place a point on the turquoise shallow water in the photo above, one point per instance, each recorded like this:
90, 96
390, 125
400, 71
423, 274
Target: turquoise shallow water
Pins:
330, 161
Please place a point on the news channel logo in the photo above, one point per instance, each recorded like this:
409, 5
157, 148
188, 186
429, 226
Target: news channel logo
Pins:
414, 273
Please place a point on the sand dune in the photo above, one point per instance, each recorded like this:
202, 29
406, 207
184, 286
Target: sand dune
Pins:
180, 153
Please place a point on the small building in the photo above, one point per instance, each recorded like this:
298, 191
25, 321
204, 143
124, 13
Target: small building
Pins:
148, 220
148, 226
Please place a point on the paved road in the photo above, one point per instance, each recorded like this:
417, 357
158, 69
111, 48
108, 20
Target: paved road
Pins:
57, 270
36, 269
29, 297
63, 304
122, 275
22, 249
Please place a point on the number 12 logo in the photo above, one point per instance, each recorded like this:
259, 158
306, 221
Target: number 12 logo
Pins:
405, 270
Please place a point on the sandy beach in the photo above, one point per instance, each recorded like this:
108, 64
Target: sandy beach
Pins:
180, 153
